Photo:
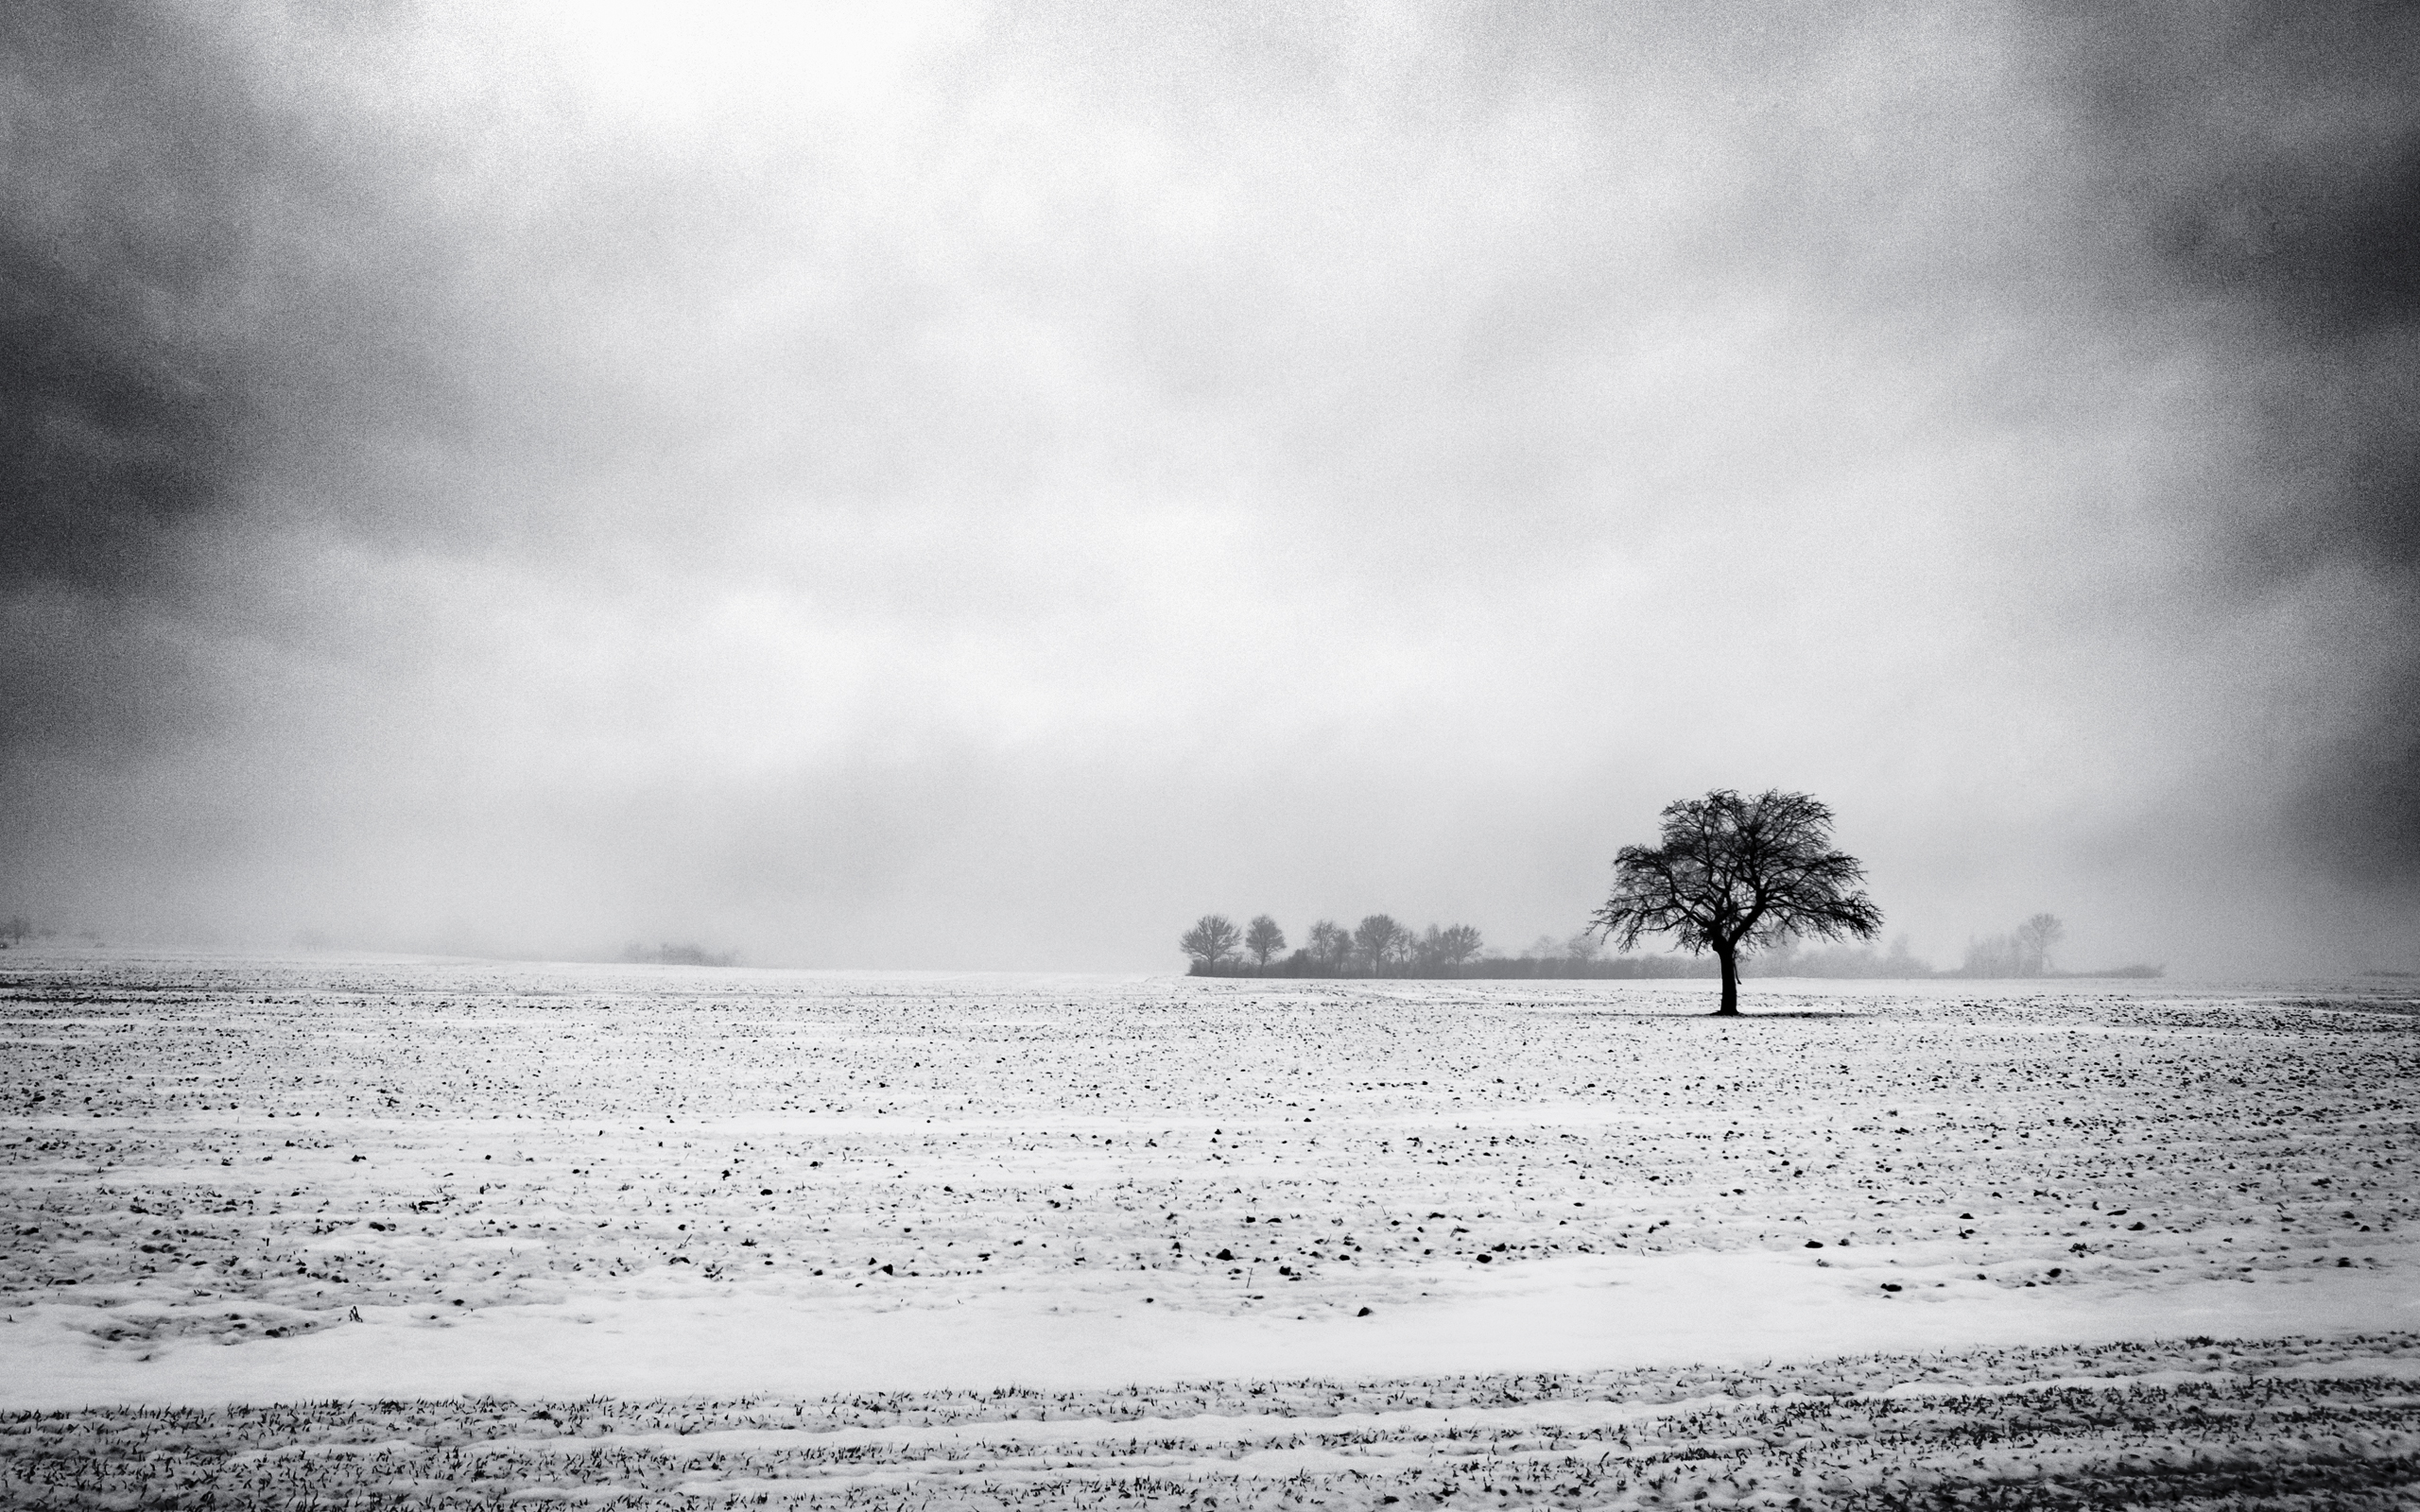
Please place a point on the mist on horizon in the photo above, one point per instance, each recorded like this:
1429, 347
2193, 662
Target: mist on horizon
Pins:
972, 486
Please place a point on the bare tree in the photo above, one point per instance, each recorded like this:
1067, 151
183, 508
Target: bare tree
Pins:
1330, 944
1458, 944
1902, 960
1379, 939
1994, 955
1437, 951
1263, 938
1211, 940
1583, 947
2034, 939
1737, 873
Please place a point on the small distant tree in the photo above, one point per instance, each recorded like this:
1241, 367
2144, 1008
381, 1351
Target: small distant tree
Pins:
2034, 939
1459, 944
1994, 955
685, 953
1583, 947
1737, 873
18, 927
1211, 940
1379, 939
1902, 960
1330, 945
1263, 938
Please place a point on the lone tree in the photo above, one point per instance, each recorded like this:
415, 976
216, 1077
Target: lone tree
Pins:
1264, 939
2034, 939
1735, 874
1212, 940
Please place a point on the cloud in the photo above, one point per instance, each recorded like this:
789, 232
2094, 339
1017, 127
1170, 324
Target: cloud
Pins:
2275, 155
983, 486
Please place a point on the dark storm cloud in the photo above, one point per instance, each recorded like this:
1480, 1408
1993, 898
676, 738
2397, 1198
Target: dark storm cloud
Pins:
125, 424
206, 273
132, 157
2273, 154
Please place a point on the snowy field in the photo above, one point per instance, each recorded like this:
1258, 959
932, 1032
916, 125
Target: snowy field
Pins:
643, 1235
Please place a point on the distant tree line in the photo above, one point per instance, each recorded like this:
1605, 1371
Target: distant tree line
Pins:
17, 929
685, 954
1859, 962
1380, 946
2025, 950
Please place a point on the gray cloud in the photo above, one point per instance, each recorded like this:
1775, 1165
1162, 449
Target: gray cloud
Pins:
122, 427
2275, 155
980, 488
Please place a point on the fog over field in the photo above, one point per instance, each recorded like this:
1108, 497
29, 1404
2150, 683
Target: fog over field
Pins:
960, 486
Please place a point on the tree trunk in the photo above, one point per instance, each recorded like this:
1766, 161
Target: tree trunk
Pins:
1730, 960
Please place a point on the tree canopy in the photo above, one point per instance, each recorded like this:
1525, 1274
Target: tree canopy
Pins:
1379, 939
1264, 939
1212, 939
1738, 873
2036, 937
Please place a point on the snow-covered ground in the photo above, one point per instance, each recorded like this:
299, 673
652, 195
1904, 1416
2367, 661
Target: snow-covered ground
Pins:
2301, 1423
235, 1182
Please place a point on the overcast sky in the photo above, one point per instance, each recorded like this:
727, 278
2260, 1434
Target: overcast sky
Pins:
973, 486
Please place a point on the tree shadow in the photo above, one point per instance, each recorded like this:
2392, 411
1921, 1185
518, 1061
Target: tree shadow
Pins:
1742, 1017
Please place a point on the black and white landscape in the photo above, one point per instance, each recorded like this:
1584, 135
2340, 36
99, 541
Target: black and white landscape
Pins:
979, 754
